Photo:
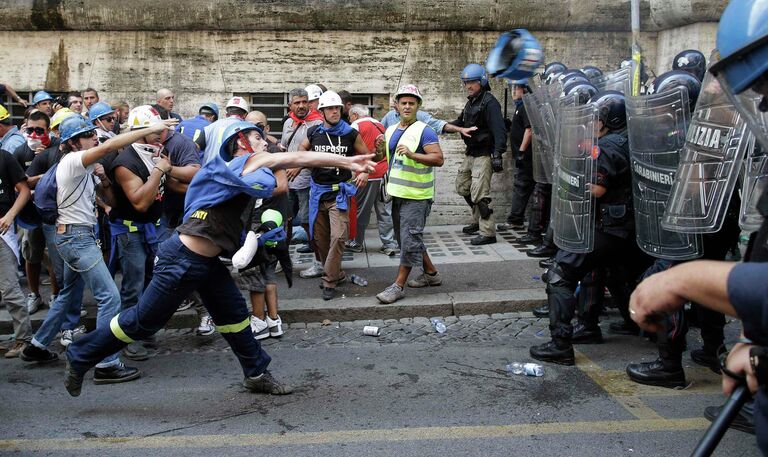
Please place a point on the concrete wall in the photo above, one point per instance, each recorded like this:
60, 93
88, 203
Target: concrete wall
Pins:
129, 52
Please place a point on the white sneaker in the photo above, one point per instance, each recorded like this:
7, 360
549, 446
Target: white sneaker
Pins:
206, 326
78, 330
315, 271
260, 328
33, 302
67, 337
275, 327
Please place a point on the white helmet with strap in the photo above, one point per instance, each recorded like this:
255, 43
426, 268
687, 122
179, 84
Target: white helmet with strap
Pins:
142, 117
328, 99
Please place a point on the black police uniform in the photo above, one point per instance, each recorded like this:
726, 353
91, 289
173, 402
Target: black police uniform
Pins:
614, 244
524, 183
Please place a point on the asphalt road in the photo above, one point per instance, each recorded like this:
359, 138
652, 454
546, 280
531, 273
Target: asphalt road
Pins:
410, 392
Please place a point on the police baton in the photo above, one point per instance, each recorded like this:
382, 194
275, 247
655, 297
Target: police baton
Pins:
720, 425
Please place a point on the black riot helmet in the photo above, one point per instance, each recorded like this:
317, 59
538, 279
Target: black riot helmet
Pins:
572, 74
592, 72
612, 109
677, 78
584, 90
553, 68
691, 61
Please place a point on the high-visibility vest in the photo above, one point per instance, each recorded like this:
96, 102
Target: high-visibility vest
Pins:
408, 178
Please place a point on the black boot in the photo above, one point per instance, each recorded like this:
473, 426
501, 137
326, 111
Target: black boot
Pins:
707, 358
624, 328
542, 251
542, 311
657, 373
583, 334
529, 239
471, 229
560, 352
547, 263
114, 374
480, 240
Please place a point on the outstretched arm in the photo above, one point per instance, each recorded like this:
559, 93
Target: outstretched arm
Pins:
310, 159
124, 139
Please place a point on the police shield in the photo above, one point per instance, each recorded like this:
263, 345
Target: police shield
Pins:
573, 205
710, 161
619, 80
656, 126
542, 145
754, 182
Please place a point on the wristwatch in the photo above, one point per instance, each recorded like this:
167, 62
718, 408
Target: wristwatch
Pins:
758, 358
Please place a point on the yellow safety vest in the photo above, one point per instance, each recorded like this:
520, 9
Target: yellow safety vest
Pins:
408, 178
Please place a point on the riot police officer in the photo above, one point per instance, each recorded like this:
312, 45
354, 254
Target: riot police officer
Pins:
483, 154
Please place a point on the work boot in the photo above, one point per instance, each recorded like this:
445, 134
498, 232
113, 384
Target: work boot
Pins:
582, 334
32, 353
542, 251
266, 384
115, 374
471, 229
743, 421
657, 373
560, 353
529, 239
547, 263
480, 240
73, 381
709, 359
624, 328
542, 311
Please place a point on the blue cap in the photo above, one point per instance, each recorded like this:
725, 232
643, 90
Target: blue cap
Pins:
742, 38
74, 126
41, 96
98, 110
231, 131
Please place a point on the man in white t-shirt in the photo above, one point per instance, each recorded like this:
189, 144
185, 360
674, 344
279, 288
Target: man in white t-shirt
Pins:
78, 177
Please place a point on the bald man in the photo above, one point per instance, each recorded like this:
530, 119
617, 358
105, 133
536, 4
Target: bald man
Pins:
260, 120
165, 98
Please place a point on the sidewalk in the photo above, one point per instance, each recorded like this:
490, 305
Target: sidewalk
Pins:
488, 279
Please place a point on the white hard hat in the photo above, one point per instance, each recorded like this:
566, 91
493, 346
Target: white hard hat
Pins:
313, 92
238, 102
329, 98
142, 117
409, 89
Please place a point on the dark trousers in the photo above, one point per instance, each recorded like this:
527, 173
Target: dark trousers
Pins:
178, 272
540, 209
522, 190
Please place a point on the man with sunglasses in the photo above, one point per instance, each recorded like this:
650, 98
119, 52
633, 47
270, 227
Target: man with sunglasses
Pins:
78, 179
103, 117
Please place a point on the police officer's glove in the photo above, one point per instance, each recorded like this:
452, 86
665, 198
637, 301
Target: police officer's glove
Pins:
497, 164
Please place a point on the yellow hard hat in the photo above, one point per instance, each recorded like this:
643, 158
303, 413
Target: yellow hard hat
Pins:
59, 116
4, 114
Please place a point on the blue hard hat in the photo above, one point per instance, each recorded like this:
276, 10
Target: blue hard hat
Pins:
742, 39
74, 126
474, 72
98, 110
516, 55
210, 106
231, 131
41, 96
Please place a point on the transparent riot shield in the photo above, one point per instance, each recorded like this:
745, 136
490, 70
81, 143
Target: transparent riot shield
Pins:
620, 80
710, 162
755, 177
573, 205
656, 127
542, 146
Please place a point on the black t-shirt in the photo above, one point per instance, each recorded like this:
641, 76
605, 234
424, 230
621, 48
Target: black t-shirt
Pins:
517, 129
44, 161
341, 145
11, 174
181, 152
25, 156
222, 224
123, 209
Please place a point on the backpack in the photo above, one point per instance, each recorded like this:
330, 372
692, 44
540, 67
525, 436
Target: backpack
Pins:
45, 195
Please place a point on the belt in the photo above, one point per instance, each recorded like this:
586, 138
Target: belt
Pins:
64, 228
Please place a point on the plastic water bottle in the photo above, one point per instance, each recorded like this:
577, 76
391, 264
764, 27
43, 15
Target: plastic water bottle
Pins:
359, 280
438, 325
528, 369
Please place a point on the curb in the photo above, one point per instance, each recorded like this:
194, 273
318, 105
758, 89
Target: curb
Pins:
363, 308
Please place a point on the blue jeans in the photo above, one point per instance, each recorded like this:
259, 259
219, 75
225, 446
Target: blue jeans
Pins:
80, 252
72, 309
178, 271
133, 256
